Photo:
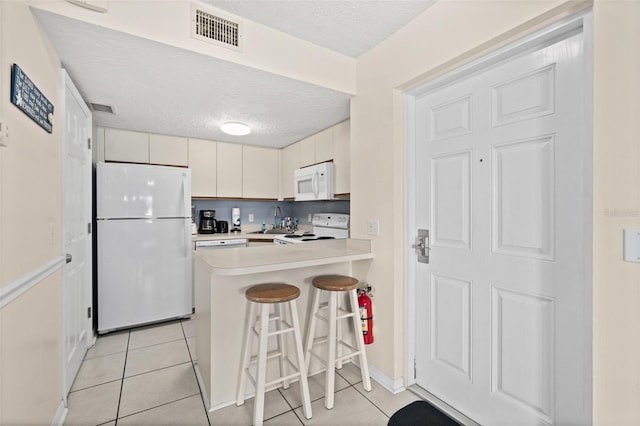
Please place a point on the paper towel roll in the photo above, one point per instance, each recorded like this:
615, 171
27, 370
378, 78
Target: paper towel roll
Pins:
235, 217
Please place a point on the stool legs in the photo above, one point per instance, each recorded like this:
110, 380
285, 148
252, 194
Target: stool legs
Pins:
261, 373
330, 377
334, 339
304, 384
246, 353
261, 359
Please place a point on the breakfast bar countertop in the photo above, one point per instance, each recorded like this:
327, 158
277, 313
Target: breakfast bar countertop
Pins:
277, 257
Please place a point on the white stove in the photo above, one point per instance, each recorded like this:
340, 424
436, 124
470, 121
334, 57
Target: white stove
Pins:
326, 226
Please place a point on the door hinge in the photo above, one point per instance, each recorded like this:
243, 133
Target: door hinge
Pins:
89, 228
89, 143
89, 312
415, 369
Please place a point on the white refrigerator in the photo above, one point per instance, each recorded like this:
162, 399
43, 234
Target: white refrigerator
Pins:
143, 219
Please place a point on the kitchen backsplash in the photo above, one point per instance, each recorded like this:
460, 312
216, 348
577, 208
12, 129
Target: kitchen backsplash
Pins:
263, 211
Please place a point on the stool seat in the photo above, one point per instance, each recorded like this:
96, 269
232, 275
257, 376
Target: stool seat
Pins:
272, 293
335, 283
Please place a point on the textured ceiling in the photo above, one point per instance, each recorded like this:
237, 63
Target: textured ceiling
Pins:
349, 27
158, 88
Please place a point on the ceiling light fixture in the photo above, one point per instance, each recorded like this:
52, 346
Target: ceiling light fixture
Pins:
235, 128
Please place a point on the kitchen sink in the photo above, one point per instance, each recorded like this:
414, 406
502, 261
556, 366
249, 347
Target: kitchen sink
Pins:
272, 231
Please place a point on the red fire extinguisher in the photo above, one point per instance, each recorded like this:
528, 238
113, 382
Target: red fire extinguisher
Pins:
366, 314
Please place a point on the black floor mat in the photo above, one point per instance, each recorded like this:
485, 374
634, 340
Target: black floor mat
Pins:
421, 413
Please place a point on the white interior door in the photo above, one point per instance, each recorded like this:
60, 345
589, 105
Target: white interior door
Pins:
76, 287
502, 322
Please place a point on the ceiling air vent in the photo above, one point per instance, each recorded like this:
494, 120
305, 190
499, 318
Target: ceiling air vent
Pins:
101, 108
218, 29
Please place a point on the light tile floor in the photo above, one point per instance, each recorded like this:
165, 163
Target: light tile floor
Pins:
145, 376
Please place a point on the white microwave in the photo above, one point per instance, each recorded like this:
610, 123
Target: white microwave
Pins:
314, 182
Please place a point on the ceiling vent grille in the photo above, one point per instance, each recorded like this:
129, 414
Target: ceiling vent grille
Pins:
217, 29
101, 108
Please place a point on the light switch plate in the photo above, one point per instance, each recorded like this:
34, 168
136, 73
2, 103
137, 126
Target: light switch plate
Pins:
632, 245
4, 133
373, 227
250, 217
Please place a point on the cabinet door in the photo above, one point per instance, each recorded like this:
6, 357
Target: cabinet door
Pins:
324, 145
289, 162
307, 151
259, 172
202, 161
229, 170
126, 146
168, 150
342, 157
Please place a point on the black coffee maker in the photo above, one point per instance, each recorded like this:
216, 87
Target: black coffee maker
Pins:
208, 223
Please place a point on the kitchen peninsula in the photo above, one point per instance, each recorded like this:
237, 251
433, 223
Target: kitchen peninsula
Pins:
221, 278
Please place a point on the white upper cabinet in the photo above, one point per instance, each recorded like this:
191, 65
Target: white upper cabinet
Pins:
126, 146
324, 145
307, 151
289, 162
202, 161
342, 157
259, 172
229, 170
168, 150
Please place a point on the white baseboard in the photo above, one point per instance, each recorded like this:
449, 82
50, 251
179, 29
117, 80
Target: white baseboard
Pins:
203, 390
60, 416
392, 385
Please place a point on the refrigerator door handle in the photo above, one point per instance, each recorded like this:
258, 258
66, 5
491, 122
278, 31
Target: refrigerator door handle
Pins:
184, 194
187, 238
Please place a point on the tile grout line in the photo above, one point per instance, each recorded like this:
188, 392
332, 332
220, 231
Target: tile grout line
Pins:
204, 406
370, 401
124, 368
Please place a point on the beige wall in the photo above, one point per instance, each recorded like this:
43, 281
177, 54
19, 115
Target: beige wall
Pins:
616, 170
449, 34
30, 229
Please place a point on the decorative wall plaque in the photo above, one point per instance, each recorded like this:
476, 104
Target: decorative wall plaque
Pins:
26, 96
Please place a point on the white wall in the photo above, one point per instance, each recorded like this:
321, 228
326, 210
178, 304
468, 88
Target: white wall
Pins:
445, 36
30, 229
263, 48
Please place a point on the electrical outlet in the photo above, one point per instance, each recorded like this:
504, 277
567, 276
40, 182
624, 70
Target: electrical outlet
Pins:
250, 217
4, 134
373, 227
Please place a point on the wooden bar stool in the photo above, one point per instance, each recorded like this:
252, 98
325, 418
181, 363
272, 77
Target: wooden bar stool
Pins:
336, 285
261, 297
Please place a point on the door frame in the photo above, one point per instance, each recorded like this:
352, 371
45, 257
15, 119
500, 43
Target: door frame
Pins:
68, 87
577, 23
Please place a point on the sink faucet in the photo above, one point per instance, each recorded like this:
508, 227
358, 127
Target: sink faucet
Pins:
278, 214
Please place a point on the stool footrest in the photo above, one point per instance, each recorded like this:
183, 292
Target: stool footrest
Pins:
270, 355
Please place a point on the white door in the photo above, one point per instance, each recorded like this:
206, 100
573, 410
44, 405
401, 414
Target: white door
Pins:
76, 287
502, 322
